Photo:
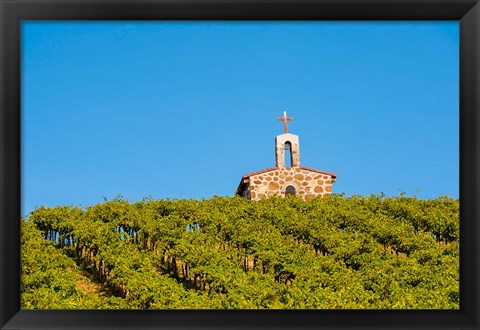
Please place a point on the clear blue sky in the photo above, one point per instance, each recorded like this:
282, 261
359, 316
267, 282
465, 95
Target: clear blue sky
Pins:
184, 109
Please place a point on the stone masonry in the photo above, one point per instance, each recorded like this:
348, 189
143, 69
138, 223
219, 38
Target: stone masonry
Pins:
308, 184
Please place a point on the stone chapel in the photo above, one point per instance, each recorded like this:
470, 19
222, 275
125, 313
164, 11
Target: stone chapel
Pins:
288, 176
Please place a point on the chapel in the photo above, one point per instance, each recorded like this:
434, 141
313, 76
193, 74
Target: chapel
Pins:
288, 176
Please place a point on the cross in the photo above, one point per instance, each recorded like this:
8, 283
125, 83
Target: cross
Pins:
285, 119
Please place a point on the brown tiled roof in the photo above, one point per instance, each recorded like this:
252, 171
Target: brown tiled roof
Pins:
259, 172
318, 171
276, 168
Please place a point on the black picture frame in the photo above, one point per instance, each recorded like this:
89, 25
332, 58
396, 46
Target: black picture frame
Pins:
12, 12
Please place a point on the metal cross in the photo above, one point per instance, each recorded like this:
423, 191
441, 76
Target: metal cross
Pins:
285, 119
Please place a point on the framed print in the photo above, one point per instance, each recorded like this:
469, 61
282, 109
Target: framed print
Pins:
363, 212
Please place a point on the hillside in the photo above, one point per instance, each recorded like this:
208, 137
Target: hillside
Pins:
371, 252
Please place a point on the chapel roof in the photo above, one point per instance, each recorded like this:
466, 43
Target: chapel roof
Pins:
260, 172
306, 168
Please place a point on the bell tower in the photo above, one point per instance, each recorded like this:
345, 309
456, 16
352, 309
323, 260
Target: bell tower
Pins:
287, 149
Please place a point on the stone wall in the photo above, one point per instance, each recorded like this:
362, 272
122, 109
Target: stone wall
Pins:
307, 184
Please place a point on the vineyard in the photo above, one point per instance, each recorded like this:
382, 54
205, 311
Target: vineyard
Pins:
358, 252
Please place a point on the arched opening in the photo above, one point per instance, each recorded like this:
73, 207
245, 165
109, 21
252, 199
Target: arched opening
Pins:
288, 154
290, 190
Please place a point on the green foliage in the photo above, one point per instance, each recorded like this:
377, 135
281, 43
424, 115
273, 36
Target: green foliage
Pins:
368, 252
